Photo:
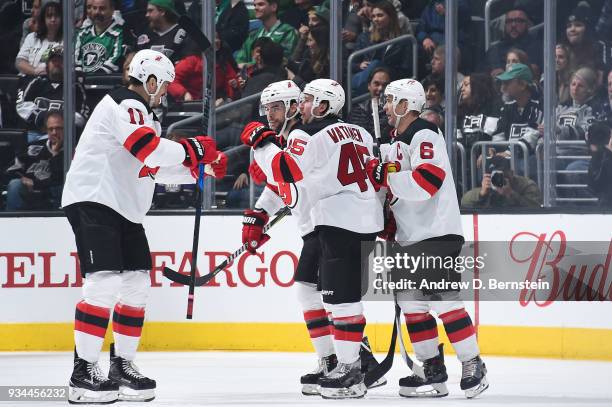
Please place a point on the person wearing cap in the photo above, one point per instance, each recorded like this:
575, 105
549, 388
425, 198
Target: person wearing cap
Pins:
273, 28
315, 17
585, 49
516, 35
521, 115
46, 93
99, 47
501, 188
164, 34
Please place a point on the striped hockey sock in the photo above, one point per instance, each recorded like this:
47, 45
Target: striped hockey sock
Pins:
348, 333
90, 323
423, 332
127, 328
461, 333
320, 331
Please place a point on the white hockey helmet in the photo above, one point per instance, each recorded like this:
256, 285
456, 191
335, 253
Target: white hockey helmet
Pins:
282, 91
148, 62
409, 90
326, 90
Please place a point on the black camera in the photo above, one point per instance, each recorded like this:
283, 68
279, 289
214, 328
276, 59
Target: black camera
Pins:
497, 176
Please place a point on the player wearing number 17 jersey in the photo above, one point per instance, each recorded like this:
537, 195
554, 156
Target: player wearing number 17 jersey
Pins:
417, 174
326, 158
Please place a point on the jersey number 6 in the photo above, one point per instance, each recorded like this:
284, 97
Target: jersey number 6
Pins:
353, 155
427, 152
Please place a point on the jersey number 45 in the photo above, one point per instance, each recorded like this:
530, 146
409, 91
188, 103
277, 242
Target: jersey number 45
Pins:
351, 165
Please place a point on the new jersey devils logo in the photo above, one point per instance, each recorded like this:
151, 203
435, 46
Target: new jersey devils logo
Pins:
148, 172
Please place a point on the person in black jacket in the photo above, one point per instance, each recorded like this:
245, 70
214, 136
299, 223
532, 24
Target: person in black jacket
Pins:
46, 93
38, 172
600, 166
231, 21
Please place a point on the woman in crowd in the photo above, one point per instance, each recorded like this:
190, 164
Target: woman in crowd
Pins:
397, 58
316, 63
32, 56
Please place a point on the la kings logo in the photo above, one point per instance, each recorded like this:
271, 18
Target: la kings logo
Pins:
94, 55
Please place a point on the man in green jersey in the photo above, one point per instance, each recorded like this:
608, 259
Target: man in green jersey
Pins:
283, 34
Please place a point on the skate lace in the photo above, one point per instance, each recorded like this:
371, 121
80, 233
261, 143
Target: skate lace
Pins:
469, 368
340, 370
131, 369
95, 372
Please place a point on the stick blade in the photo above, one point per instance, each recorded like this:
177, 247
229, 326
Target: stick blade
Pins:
176, 276
194, 32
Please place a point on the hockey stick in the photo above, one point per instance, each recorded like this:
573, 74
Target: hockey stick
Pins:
200, 281
383, 367
194, 32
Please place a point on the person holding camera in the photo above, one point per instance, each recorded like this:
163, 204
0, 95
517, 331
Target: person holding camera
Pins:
600, 166
502, 189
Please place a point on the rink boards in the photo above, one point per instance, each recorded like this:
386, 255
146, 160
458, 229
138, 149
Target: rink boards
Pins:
253, 307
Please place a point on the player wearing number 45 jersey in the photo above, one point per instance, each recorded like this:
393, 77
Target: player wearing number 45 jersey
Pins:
107, 193
324, 163
421, 191
279, 103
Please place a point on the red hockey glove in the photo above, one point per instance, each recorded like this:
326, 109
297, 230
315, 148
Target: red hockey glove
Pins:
256, 134
257, 174
388, 233
219, 166
253, 223
199, 149
378, 172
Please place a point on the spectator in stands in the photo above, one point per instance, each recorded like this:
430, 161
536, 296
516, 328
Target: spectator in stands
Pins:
434, 91
352, 25
99, 47
164, 34
438, 64
187, 85
316, 17
580, 36
477, 110
516, 35
30, 25
397, 57
283, 34
430, 31
366, 14
574, 118
610, 92
316, 63
563, 69
231, 20
38, 172
600, 166
521, 115
32, 56
516, 56
501, 188
361, 114
297, 16
46, 93
434, 115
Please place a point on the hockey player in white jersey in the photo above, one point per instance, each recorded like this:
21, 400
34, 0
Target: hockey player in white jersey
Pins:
417, 173
107, 194
279, 103
324, 166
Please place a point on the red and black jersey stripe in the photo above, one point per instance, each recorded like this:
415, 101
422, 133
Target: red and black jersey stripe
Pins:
349, 328
286, 169
318, 323
128, 320
429, 177
91, 319
142, 142
458, 325
421, 327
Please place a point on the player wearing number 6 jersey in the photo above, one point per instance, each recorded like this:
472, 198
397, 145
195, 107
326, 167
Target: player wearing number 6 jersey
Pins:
324, 163
107, 194
421, 191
